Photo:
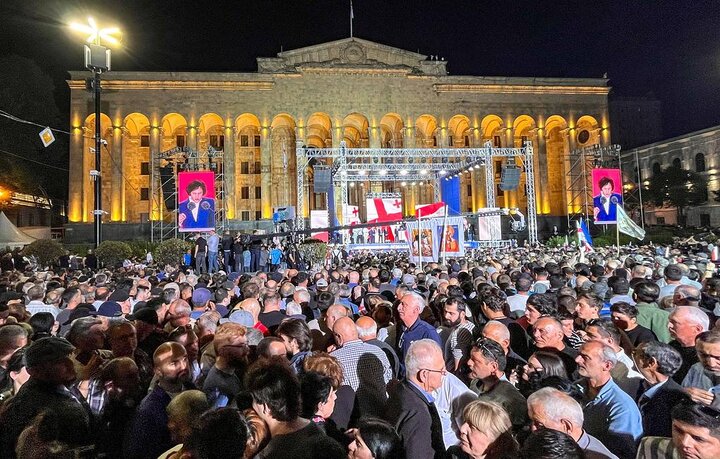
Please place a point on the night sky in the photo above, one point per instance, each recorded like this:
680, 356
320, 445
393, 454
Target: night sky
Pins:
670, 49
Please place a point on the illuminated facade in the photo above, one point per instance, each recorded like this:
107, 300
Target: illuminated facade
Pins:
365, 93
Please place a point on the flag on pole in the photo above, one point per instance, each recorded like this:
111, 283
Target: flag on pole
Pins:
584, 239
436, 209
627, 226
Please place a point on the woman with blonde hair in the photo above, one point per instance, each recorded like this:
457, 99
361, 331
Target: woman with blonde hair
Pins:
486, 433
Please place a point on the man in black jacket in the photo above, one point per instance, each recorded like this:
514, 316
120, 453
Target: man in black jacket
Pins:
411, 408
658, 362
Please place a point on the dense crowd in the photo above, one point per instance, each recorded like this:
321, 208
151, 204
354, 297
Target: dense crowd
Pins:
525, 352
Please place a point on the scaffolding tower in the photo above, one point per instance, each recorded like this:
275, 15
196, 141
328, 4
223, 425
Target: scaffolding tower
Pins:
164, 169
579, 189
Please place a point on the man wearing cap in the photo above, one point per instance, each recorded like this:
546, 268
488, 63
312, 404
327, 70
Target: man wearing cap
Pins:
122, 298
201, 302
51, 370
672, 276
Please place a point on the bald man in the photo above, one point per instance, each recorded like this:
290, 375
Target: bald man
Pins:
367, 331
365, 367
498, 332
252, 306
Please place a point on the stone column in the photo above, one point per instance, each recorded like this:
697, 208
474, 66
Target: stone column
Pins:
77, 176
157, 207
511, 197
117, 196
229, 171
266, 171
542, 192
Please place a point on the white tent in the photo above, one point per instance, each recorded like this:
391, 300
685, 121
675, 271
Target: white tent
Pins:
10, 235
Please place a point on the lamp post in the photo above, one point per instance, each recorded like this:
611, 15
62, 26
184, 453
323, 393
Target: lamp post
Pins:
97, 60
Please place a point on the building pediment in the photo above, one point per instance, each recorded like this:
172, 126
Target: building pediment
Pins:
351, 54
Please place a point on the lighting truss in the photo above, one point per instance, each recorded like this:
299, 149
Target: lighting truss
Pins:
400, 165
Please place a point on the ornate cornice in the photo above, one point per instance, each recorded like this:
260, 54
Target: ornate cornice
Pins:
518, 89
120, 85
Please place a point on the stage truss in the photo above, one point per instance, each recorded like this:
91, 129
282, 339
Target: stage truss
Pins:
416, 164
163, 221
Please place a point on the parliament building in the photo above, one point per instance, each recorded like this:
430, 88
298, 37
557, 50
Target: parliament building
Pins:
361, 92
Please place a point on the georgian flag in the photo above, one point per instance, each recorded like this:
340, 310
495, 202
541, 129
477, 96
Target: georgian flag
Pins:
384, 210
584, 239
436, 209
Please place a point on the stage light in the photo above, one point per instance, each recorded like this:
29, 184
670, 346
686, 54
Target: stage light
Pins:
403, 183
403, 172
423, 171
442, 173
383, 172
361, 173
352, 184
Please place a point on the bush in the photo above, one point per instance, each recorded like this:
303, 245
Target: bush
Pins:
140, 248
113, 253
558, 241
46, 251
314, 251
170, 252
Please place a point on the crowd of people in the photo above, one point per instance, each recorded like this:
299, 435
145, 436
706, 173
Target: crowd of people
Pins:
525, 352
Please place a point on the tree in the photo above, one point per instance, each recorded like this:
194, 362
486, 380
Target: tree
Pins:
677, 187
46, 251
113, 253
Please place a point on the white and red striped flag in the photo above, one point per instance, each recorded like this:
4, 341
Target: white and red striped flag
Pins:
436, 209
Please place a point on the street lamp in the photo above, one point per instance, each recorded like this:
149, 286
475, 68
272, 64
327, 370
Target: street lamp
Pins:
97, 60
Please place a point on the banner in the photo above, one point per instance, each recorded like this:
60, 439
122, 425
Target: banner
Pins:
453, 238
607, 195
196, 195
485, 227
424, 243
351, 215
319, 219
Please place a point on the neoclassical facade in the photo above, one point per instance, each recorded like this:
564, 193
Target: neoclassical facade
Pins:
364, 93
697, 151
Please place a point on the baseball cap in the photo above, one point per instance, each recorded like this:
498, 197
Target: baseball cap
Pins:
119, 295
147, 315
109, 309
201, 296
240, 316
321, 283
408, 279
50, 349
80, 312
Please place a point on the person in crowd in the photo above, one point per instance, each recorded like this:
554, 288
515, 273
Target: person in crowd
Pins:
296, 337
121, 379
550, 408
219, 434
695, 435
224, 380
375, 438
184, 414
685, 324
487, 370
365, 368
702, 381
458, 344
549, 337
17, 375
367, 332
486, 433
658, 362
649, 315
624, 316
413, 328
551, 444
498, 332
52, 371
610, 414
411, 408
540, 365
318, 397
149, 435
275, 392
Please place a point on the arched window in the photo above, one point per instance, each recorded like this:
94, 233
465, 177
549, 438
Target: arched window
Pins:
699, 162
656, 168
677, 163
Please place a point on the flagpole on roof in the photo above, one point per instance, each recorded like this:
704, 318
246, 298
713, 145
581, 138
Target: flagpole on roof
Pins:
352, 16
